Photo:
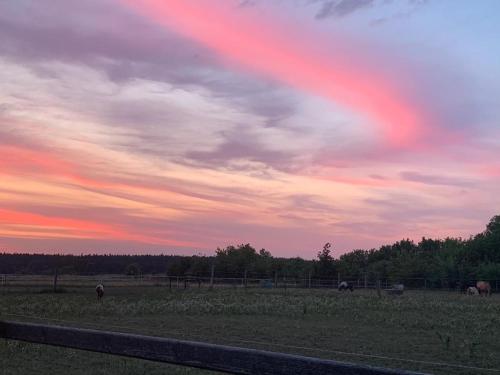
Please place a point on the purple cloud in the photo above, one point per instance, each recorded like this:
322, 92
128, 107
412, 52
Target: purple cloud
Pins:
341, 8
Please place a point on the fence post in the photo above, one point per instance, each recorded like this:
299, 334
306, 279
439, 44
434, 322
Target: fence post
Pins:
212, 272
309, 281
338, 279
245, 279
275, 279
169, 283
366, 281
379, 292
55, 280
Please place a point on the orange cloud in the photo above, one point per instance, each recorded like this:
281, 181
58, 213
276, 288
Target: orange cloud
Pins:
77, 228
21, 160
17, 160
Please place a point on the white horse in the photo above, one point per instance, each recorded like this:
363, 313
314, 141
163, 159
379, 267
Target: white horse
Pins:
344, 285
472, 291
100, 291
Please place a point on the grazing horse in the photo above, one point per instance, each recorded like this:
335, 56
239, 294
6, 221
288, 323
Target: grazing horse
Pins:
398, 287
484, 288
344, 285
472, 291
100, 291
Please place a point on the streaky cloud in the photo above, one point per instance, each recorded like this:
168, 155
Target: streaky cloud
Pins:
260, 46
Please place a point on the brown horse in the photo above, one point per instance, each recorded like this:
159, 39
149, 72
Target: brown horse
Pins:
484, 288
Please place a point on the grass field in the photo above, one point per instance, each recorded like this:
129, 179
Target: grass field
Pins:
418, 326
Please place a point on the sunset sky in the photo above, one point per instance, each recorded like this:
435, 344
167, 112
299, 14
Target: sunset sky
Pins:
177, 126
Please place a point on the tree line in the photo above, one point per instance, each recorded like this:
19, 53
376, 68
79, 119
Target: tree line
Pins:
450, 259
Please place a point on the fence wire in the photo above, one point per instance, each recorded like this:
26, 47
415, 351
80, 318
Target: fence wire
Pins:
252, 343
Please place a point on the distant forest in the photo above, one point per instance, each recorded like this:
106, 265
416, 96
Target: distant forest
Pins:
451, 259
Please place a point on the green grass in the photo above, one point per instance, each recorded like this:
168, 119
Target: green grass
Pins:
431, 326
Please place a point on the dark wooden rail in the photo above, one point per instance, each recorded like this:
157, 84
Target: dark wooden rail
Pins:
222, 358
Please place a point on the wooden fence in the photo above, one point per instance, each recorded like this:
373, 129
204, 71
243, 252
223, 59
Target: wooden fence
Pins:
221, 358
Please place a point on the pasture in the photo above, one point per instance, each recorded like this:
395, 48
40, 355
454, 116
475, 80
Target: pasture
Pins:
414, 331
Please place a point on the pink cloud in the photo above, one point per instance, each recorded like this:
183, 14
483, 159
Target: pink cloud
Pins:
248, 40
490, 171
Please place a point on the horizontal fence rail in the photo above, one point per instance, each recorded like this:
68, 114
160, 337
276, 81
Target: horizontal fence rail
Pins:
56, 281
233, 360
